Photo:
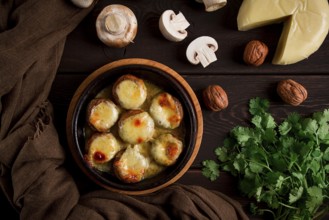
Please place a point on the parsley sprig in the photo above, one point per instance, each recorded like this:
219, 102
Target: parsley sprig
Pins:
284, 166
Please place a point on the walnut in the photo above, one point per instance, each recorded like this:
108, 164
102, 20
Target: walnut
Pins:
291, 92
255, 53
215, 98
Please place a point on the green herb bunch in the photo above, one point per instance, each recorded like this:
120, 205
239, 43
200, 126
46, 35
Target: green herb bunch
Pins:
285, 167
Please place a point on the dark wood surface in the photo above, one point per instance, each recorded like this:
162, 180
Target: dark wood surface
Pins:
84, 53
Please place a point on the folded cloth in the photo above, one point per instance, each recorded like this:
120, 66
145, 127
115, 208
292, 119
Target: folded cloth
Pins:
32, 172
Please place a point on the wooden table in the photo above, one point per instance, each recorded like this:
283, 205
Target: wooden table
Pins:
84, 53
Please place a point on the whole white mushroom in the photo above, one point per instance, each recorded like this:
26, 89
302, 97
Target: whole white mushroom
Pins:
116, 25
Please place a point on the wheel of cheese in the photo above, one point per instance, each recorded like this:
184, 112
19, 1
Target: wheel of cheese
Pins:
306, 25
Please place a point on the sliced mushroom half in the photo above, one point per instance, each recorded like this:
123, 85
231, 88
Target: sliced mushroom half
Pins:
82, 3
116, 25
212, 5
172, 26
202, 50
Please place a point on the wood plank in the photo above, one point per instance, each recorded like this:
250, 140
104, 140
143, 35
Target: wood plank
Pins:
84, 52
240, 89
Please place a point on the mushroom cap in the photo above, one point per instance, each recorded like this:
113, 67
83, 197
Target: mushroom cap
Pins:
213, 5
116, 25
197, 44
173, 26
82, 3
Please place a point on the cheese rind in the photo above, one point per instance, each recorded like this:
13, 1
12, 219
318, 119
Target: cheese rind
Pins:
306, 25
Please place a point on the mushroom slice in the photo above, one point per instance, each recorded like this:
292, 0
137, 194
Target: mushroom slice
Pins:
172, 26
130, 165
202, 49
116, 26
129, 91
166, 149
82, 3
102, 114
101, 148
166, 110
136, 127
213, 5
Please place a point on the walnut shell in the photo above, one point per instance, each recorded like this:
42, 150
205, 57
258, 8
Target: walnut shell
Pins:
291, 92
215, 98
255, 53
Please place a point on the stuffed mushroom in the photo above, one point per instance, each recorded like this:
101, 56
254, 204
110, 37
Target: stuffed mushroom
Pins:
136, 127
102, 114
129, 92
101, 148
166, 149
130, 165
166, 110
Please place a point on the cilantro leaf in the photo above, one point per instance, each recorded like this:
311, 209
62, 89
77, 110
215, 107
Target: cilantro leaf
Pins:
284, 128
269, 135
258, 106
221, 154
294, 118
268, 121
244, 134
326, 168
257, 121
326, 154
283, 166
315, 198
295, 194
210, 169
322, 117
310, 126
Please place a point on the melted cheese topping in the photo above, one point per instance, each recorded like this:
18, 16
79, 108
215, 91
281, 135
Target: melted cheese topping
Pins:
103, 115
129, 130
166, 149
137, 128
165, 111
131, 165
154, 168
102, 148
131, 94
306, 25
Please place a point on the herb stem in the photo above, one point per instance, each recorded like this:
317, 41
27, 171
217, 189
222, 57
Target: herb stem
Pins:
288, 206
321, 213
268, 210
260, 164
